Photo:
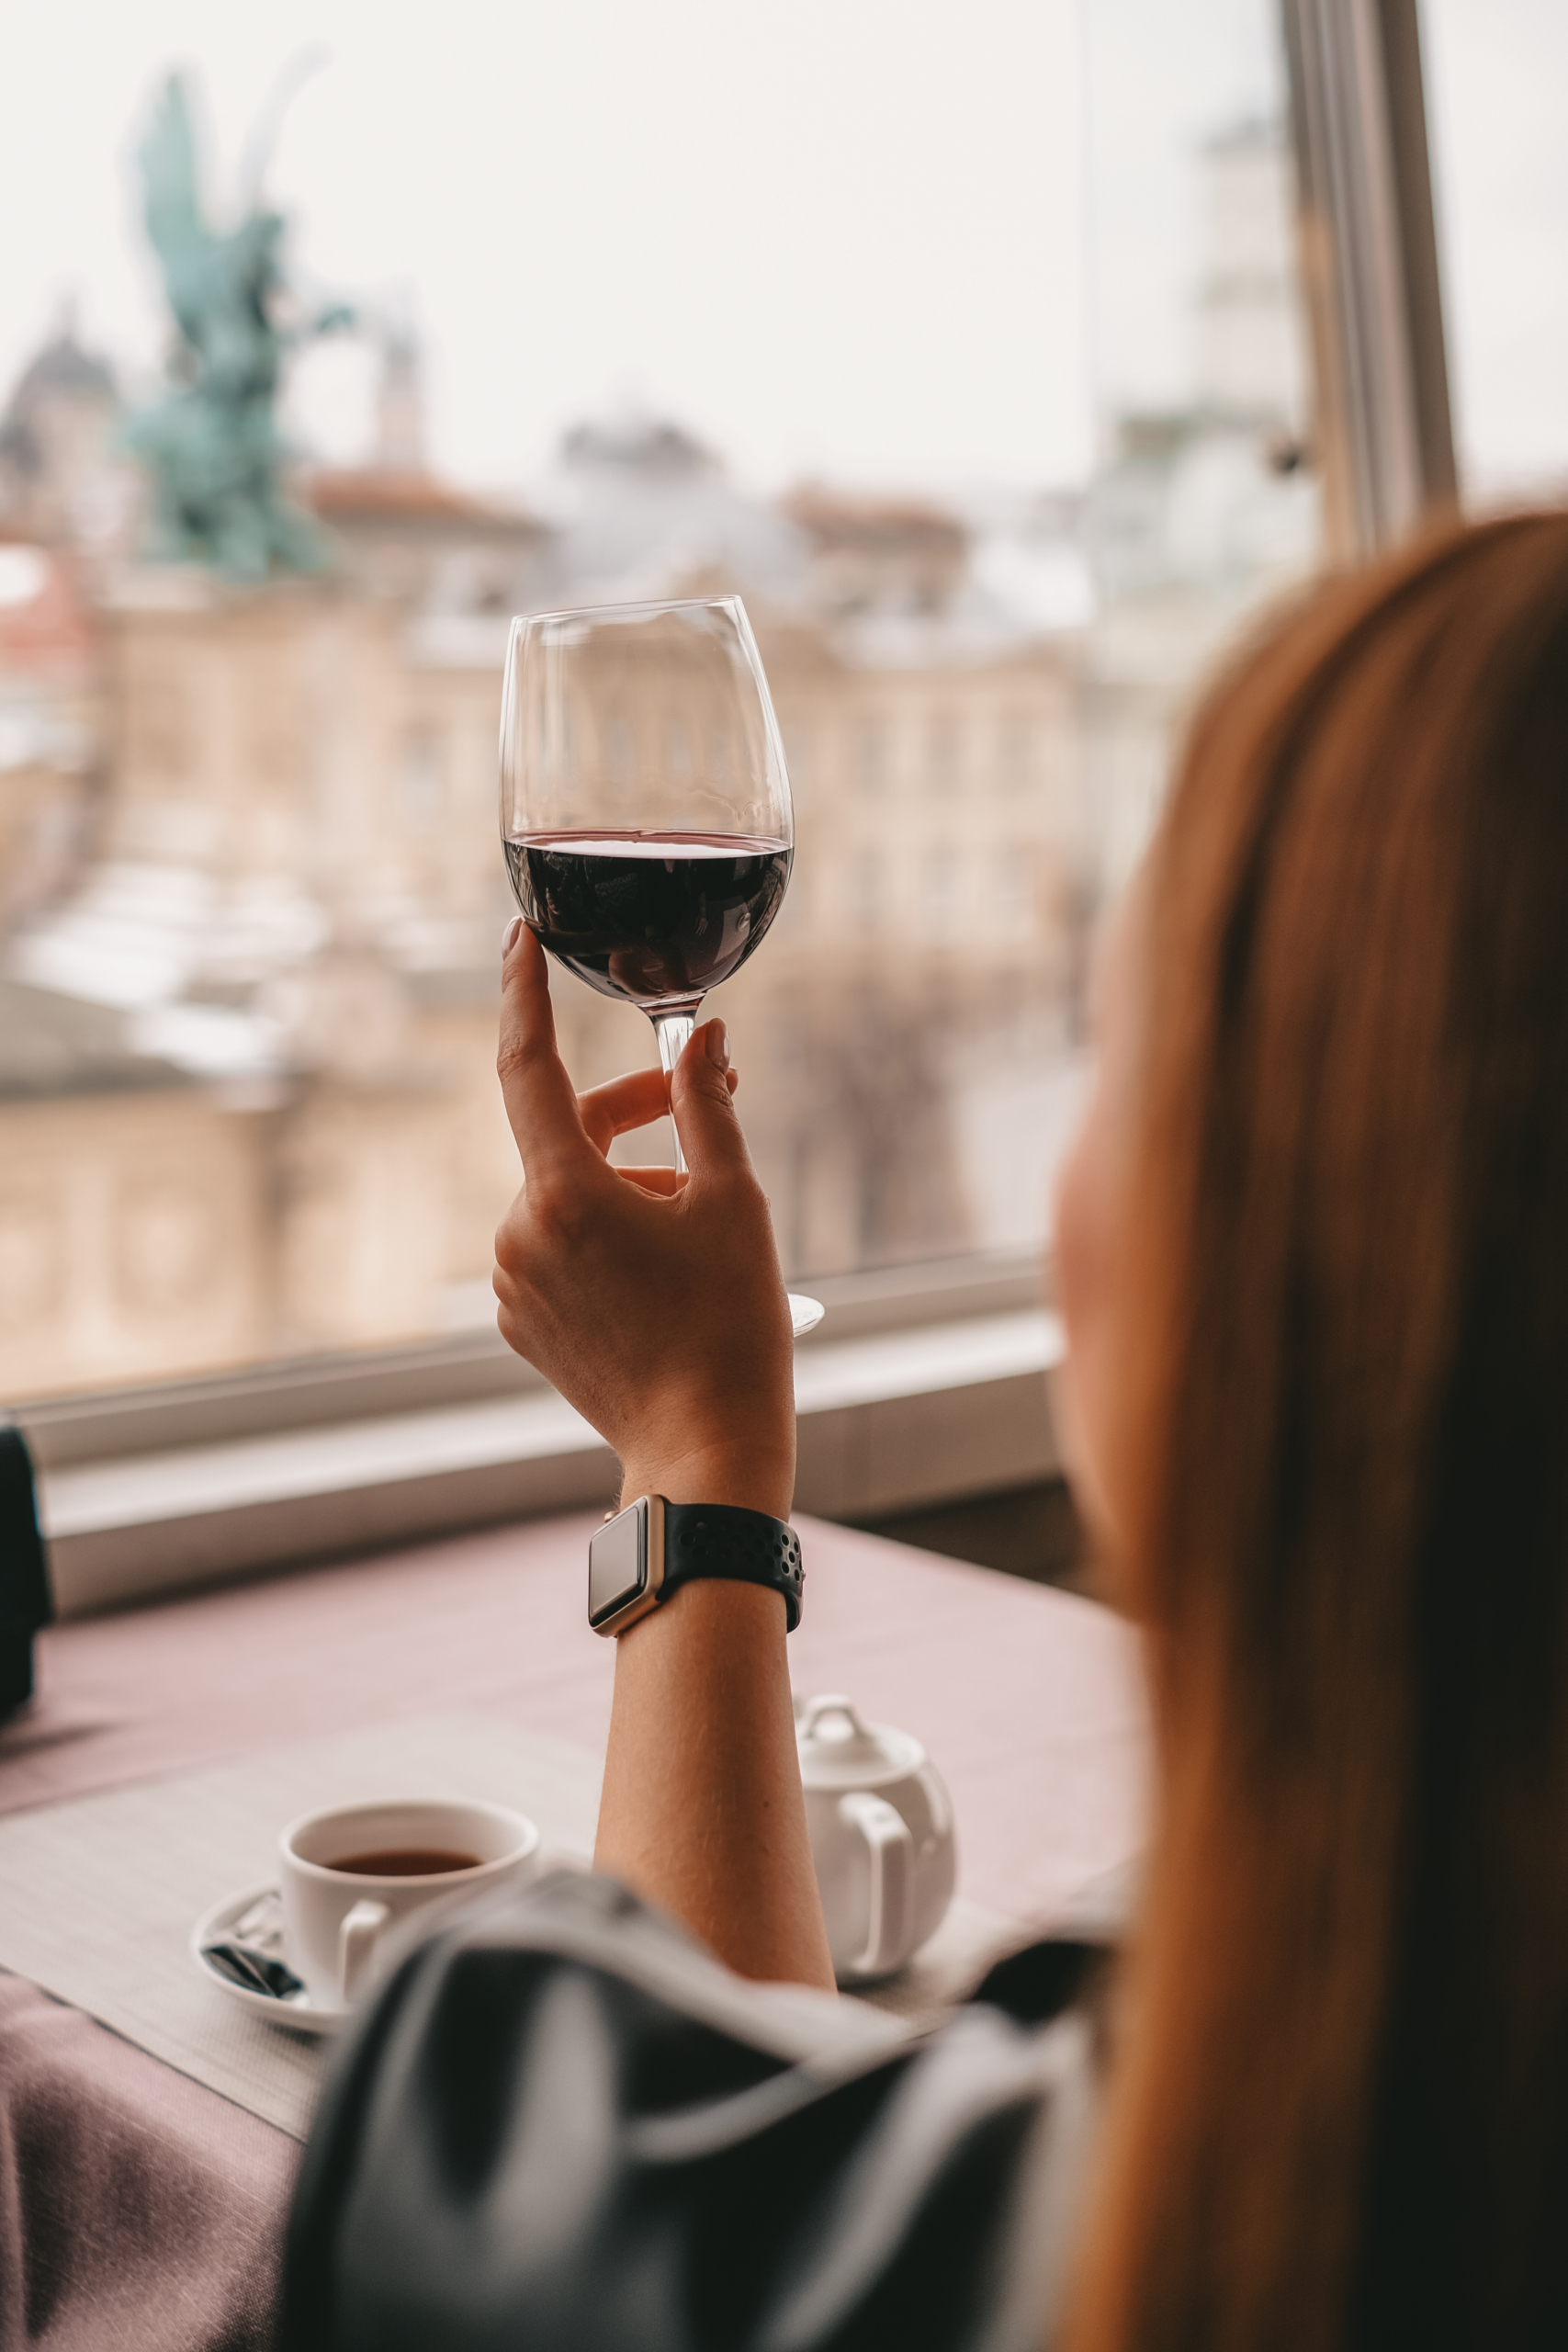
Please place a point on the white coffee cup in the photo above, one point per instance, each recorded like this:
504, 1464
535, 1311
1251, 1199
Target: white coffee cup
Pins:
336, 1920
882, 1837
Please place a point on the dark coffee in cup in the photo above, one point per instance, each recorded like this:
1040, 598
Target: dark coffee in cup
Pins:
405, 1861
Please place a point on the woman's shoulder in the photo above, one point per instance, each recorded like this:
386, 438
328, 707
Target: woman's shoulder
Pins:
568, 2117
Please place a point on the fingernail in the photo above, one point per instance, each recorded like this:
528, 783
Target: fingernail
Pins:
718, 1045
509, 936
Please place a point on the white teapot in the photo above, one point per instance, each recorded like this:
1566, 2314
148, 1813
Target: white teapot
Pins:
881, 1824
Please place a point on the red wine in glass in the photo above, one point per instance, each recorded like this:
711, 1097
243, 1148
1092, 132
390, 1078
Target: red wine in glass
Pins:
656, 917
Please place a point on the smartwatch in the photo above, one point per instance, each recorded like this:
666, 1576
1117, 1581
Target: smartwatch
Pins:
650, 1550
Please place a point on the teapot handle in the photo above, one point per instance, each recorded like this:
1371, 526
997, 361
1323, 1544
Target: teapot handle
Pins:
830, 1703
890, 1926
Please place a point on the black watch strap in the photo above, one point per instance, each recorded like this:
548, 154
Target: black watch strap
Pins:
742, 1546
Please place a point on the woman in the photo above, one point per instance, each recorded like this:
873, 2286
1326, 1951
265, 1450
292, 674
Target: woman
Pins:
1312, 1260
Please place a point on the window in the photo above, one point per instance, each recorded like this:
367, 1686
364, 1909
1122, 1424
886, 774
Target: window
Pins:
941, 891
156, 739
251, 890
865, 876
420, 793
870, 756
943, 754
800, 754
1012, 895
1496, 74
1015, 763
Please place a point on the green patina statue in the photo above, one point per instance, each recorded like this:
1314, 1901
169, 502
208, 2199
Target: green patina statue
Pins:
212, 445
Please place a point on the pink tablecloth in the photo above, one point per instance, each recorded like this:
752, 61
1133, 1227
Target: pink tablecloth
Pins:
131, 2194
137, 2210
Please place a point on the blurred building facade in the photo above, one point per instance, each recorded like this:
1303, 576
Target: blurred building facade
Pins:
253, 892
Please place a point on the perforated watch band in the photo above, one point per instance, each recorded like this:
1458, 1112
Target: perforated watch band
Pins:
742, 1546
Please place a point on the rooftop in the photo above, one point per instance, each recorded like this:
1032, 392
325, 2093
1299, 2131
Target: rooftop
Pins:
64, 366
388, 496
52, 1044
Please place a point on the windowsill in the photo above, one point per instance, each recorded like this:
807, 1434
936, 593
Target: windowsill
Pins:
923, 1385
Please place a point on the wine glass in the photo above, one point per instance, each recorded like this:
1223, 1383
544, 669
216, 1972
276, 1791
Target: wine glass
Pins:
645, 807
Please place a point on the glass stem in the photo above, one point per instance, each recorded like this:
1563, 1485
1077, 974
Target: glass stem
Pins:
672, 1030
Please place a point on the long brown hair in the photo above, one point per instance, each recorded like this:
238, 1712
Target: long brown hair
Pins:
1340, 2115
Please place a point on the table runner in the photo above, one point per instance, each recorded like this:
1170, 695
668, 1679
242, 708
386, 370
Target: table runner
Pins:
137, 2210
100, 1894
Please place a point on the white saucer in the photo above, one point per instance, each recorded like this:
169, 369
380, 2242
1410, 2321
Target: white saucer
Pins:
300, 2013
804, 1313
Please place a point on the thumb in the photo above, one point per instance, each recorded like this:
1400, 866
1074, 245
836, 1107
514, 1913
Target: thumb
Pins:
701, 1106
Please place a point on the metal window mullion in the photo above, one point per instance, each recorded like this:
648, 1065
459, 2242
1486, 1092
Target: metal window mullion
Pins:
1369, 266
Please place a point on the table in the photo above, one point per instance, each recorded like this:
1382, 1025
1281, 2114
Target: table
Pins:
140, 2208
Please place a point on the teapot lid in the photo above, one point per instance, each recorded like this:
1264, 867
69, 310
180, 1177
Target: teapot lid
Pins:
838, 1749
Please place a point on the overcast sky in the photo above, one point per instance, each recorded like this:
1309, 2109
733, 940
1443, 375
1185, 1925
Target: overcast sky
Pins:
838, 236
833, 233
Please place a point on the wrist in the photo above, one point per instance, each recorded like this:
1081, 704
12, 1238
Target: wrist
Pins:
747, 1477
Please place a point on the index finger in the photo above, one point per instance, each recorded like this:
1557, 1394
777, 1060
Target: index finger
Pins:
541, 1101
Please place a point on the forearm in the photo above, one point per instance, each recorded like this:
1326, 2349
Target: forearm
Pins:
702, 1809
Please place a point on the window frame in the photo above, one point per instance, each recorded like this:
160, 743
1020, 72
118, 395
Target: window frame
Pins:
1369, 269
925, 1384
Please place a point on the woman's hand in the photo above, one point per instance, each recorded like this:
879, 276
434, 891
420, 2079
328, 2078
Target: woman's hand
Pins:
652, 1302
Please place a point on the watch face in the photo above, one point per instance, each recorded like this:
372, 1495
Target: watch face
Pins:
617, 1563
